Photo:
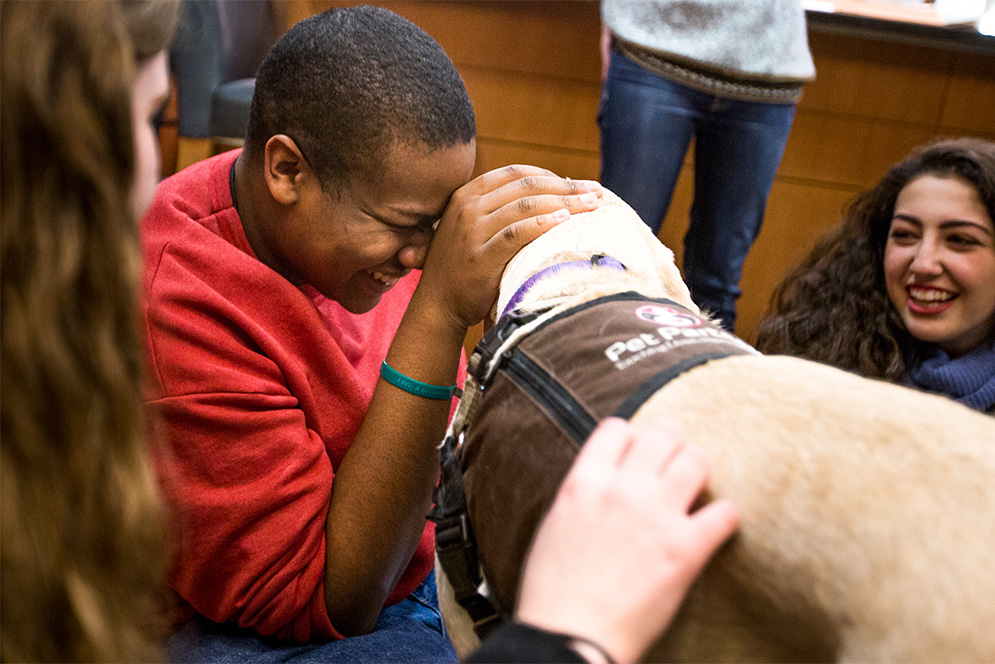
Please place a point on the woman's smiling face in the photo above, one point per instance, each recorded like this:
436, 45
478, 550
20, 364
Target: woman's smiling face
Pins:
939, 263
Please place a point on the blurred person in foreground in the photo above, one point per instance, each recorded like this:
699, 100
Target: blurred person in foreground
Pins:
81, 524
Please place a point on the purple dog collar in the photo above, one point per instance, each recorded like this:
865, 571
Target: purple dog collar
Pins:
598, 260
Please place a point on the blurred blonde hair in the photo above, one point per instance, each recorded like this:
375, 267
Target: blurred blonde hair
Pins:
81, 523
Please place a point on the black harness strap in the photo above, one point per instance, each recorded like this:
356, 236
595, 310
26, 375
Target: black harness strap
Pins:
457, 548
455, 544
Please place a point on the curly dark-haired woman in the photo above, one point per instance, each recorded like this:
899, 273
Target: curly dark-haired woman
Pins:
904, 289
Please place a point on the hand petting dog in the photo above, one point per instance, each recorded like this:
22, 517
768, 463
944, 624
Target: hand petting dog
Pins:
619, 549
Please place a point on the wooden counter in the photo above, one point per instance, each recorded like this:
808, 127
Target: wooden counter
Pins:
533, 72
918, 24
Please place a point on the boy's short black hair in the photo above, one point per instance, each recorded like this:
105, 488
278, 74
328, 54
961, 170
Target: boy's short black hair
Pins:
349, 84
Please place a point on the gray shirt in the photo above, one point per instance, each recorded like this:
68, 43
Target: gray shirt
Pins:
762, 41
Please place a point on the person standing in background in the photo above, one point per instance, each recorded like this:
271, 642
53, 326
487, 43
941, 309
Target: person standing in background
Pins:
728, 73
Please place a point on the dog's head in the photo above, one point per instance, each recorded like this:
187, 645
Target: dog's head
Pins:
613, 229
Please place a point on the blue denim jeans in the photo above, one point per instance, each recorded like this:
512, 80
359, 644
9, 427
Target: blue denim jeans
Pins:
647, 123
410, 631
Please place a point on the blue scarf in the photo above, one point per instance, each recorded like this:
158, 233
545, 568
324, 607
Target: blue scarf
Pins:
969, 379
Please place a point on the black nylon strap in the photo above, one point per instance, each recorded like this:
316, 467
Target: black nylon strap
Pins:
456, 546
557, 402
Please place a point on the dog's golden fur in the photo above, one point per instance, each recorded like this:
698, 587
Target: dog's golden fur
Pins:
867, 508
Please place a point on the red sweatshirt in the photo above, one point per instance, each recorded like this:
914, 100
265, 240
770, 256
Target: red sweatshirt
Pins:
262, 387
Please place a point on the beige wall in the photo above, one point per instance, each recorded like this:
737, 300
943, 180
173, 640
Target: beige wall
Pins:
533, 72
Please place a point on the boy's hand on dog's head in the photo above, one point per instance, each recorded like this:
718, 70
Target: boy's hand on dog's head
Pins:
488, 221
615, 556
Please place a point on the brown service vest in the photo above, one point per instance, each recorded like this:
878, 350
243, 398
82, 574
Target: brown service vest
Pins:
601, 358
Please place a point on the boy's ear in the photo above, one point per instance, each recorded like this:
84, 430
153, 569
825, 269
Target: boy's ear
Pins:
284, 168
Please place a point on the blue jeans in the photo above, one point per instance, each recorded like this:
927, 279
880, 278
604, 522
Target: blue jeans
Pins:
410, 631
647, 124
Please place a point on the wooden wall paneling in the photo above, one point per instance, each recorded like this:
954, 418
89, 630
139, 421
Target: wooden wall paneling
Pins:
293, 11
824, 147
798, 215
887, 144
877, 79
969, 105
844, 149
576, 164
535, 38
547, 111
528, 37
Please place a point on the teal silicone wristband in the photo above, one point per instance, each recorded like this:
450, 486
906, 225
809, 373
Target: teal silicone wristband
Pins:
416, 387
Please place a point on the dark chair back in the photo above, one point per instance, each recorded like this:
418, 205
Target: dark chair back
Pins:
214, 57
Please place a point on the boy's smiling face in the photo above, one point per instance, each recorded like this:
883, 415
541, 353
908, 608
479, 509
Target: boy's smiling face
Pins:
353, 244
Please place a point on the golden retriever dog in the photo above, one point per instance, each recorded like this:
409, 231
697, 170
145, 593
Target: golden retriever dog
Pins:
868, 509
